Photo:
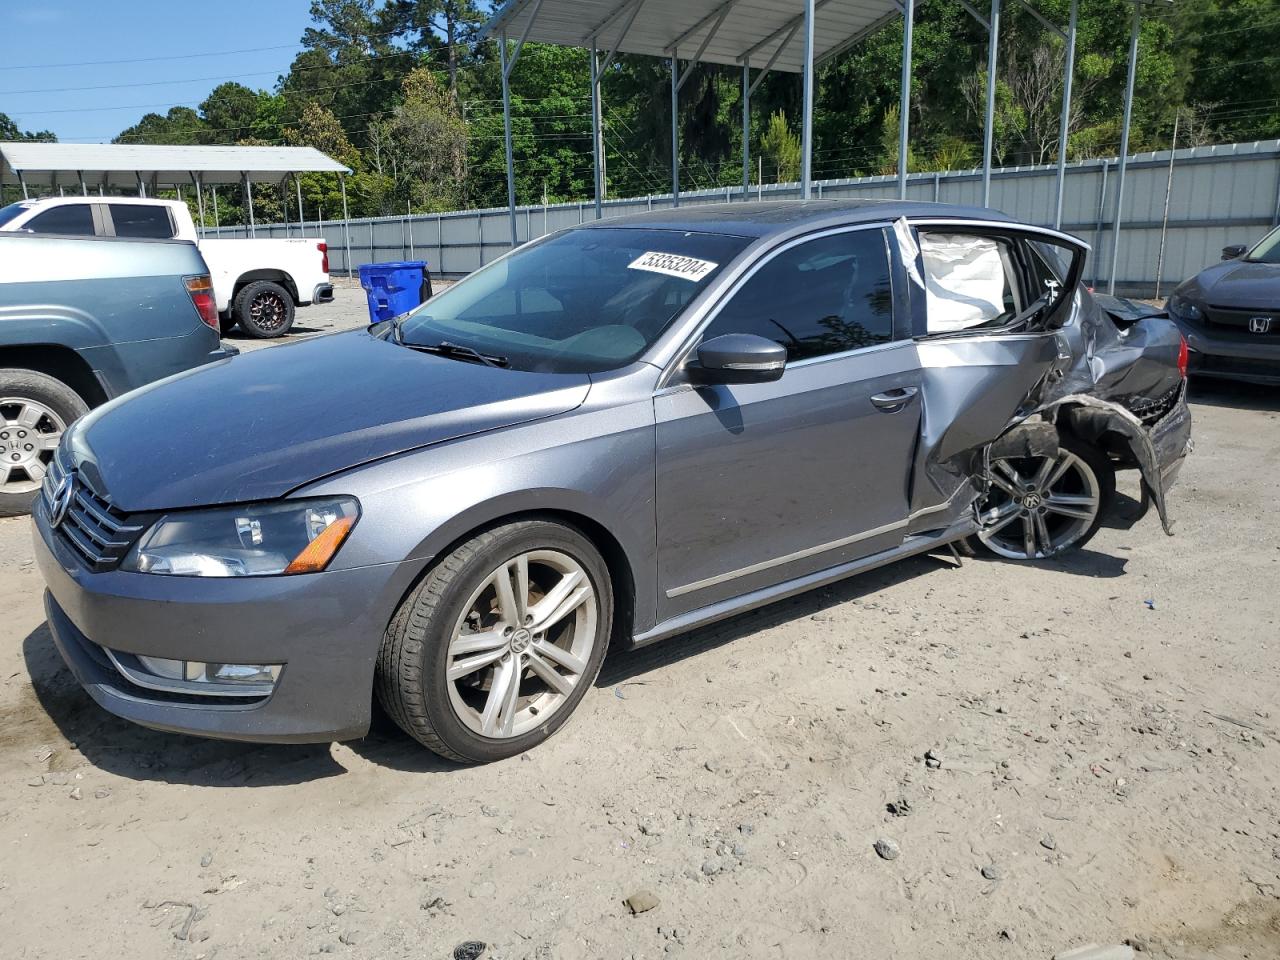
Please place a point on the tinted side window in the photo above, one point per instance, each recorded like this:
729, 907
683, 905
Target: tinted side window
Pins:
74, 219
970, 281
825, 296
139, 220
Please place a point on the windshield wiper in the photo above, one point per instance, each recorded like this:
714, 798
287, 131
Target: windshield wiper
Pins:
459, 352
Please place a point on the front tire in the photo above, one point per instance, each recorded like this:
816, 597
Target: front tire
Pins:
264, 310
499, 642
1041, 507
35, 409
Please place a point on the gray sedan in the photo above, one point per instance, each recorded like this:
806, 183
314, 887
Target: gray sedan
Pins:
614, 434
1230, 313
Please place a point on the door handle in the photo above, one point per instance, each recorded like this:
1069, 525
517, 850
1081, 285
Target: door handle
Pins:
891, 401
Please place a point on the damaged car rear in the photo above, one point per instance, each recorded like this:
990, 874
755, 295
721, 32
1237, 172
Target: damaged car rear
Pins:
614, 434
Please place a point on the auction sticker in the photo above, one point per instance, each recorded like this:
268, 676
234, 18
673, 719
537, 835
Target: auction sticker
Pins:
673, 265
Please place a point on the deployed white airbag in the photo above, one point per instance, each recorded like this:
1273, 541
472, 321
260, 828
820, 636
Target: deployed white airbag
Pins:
964, 281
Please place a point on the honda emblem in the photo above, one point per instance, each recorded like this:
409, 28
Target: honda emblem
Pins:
1259, 324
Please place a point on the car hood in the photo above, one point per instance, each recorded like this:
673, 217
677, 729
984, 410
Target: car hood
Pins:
1237, 283
262, 424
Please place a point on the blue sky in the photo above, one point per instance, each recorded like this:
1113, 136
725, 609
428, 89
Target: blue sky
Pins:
39, 33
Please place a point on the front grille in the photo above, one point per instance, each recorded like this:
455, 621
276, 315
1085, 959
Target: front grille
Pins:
1237, 321
96, 530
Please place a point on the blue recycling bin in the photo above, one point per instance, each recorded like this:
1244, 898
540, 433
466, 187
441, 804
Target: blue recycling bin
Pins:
394, 288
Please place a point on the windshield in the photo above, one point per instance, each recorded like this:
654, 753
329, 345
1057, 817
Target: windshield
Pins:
1267, 250
13, 211
581, 302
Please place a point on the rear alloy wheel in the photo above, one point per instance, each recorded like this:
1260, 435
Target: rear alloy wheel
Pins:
264, 310
35, 409
499, 643
1040, 507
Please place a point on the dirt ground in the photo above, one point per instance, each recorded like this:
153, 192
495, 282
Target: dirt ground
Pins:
1106, 767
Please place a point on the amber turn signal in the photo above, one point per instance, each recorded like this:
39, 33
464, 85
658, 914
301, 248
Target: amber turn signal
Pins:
315, 556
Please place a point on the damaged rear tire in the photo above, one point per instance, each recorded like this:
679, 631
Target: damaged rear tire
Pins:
1041, 506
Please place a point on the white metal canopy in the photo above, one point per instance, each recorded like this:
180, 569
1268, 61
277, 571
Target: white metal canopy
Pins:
125, 165
753, 29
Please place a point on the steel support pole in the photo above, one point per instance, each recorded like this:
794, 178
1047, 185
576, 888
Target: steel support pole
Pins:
746, 129
506, 129
248, 192
217, 221
904, 104
199, 200
1124, 146
23, 181
346, 223
84, 187
1064, 124
597, 170
988, 132
408, 209
806, 107
675, 128
302, 213
1168, 193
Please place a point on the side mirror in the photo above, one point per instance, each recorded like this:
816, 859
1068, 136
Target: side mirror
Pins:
1234, 251
738, 358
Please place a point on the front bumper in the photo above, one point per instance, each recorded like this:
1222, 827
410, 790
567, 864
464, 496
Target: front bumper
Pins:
325, 628
1251, 358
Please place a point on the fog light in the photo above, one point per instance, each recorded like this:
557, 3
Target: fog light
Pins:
198, 677
242, 672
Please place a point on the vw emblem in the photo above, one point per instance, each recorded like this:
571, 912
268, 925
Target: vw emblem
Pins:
62, 495
1259, 324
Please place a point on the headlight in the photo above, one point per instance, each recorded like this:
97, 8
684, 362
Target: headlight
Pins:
293, 536
1180, 306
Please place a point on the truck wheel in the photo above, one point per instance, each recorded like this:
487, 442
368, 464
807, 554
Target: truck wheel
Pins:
264, 310
34, 411
496, 646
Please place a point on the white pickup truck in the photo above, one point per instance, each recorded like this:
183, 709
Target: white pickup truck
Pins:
256, 283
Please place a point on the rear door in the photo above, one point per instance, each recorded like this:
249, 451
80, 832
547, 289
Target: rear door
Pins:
762, 483
988, 330
67, 220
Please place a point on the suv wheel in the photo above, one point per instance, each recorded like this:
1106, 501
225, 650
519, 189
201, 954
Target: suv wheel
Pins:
34, 411
499, 642
1041, 507
264, 309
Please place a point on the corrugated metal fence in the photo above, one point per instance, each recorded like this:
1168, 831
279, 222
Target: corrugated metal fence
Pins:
1216, 195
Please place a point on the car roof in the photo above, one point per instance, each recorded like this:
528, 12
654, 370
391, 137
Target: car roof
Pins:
767, 217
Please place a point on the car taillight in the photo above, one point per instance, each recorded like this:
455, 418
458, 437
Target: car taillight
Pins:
200, 290
1183, 358
324, 256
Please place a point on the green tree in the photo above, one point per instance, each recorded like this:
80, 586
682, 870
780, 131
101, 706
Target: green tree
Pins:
781, 145
9, 131
181, 125
445, 30
421, 149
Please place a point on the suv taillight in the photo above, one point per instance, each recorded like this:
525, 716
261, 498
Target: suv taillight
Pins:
1183, 358
200, 289
324, 256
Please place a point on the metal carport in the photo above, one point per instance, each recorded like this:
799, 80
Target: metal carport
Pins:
763, 33
145, 168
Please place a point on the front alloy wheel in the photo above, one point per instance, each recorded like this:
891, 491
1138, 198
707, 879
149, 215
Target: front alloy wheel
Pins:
522, 644
496, 646
1040, 507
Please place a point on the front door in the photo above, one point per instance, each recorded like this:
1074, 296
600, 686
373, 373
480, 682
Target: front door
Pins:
762, 483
